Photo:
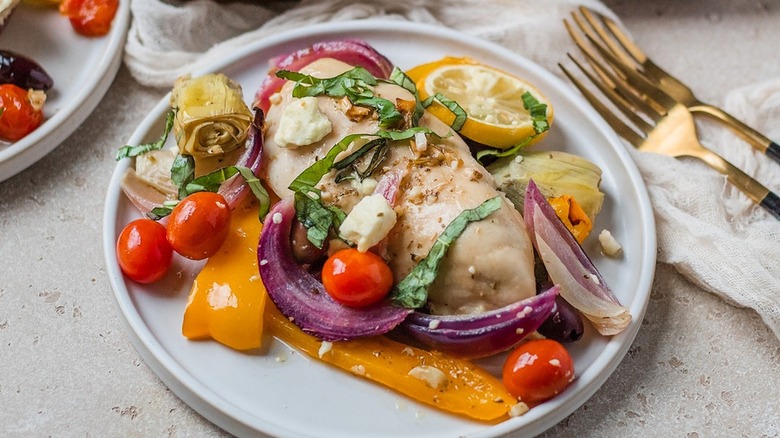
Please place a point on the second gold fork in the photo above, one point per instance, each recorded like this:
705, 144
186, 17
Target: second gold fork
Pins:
609, 39
672, 133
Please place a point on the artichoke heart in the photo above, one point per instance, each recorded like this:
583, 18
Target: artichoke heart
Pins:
211, 116
555, 173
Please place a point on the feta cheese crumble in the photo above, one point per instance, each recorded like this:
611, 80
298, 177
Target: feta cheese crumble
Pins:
608, 243
302, 123
432, 376
324, 348
369, 222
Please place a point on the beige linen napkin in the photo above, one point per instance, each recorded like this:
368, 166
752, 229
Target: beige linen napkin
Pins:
709, 231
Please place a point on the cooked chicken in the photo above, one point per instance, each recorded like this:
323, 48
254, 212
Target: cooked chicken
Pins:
489, 266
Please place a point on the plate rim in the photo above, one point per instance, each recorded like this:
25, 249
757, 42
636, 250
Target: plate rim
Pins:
20, 155
548, 414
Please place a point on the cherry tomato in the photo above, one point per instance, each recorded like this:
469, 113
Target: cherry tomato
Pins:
199, 225
21, 111
355, 278
90, 17
538, 370
143, 252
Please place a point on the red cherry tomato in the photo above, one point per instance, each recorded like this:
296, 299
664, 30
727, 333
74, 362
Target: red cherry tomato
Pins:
21, 112
143, 252
199, 225
90, 17
538, 370
355, 278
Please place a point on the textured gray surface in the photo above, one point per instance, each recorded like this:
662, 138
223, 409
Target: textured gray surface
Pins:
699, 367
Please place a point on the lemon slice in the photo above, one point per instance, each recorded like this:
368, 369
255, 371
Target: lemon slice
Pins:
491, 98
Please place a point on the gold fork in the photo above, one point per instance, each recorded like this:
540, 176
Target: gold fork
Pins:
671, 133
625, 55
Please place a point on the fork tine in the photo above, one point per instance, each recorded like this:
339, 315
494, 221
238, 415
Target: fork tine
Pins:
638, 80
660, 100
608, 87
612, 120
631, 97
598, 21
596, 31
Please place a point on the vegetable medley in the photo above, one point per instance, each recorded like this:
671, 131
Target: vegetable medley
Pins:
393, 224
24, 83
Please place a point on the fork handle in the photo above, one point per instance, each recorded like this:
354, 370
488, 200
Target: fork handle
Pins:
755, 138
772, 203
749, 186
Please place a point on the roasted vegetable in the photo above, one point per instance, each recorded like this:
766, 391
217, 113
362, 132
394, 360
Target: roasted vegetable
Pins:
227, 299
572, 215
449, 384
555, 173
211, 116
23, 72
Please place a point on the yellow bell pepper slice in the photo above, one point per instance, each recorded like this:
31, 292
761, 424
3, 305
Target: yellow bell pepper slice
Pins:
227, 299
573, 216
466, 389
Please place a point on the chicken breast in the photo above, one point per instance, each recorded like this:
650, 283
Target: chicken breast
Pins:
489, 266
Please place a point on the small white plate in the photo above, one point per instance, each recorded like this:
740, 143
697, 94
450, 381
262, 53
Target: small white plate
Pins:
283, 393
82, 68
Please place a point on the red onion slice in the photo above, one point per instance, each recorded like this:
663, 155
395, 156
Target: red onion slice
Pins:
302, 299
236, 188
351, 51
483, 334
568, 266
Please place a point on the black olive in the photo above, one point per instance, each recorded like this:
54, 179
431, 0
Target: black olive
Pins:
23, 72
564, 323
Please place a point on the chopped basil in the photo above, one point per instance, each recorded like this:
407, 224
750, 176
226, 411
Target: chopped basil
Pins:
312, 175
355, 84
182, 173
348, 168
412, 291
400, 78
257, 189
210, 182
538, 112
453, 106
134, 151
498, 153
158, 213
316, 218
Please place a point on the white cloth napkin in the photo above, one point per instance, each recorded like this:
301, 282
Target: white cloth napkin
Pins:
710, 232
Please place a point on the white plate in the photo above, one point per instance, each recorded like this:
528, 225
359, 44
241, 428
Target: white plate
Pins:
82, 68
250, 394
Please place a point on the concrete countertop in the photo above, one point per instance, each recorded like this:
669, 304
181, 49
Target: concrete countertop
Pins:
698, 368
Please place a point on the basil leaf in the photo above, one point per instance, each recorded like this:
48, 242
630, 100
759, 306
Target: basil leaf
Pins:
158, 213
134, 151
182, 173
412, 291
355, 84
211, 181
315, 217
498, 153
538, 112
400, 78
257, 189
351, 158
314, 173
455, 108
356, 81
388, 113
406, 134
